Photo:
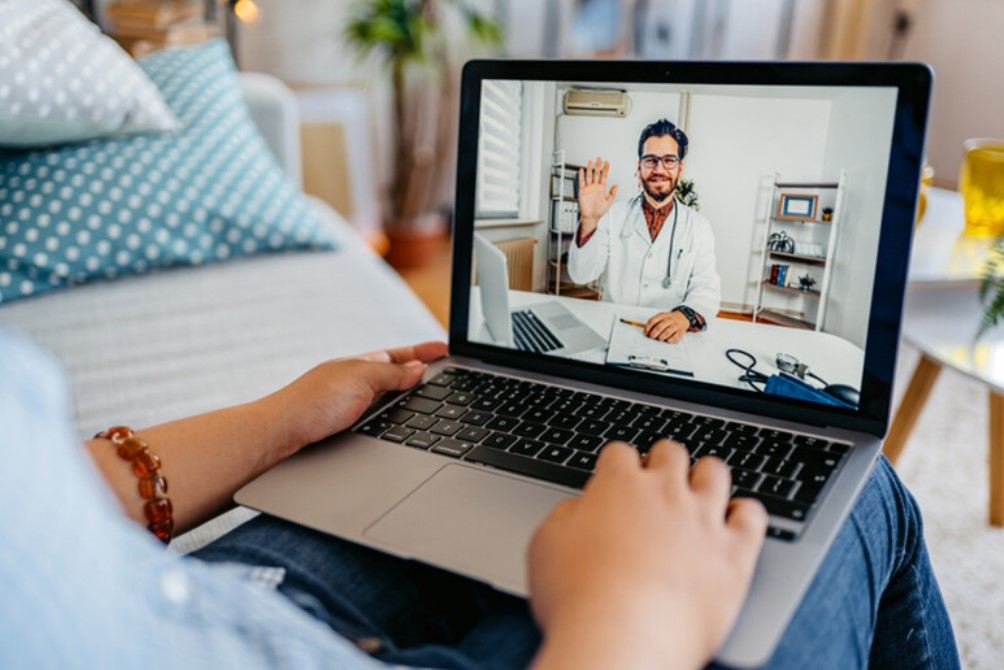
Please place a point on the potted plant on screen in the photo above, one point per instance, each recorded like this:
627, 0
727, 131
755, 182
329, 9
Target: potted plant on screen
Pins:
414, 40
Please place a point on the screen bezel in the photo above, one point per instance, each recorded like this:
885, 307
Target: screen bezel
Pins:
913, 82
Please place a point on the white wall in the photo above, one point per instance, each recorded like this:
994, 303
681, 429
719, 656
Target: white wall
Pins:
738, 143
962, 40
861, 124
734, 140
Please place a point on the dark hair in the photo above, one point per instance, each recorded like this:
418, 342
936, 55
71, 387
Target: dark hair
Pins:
661, 128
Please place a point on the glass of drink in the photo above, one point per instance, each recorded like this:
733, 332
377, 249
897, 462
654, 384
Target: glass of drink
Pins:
982, 185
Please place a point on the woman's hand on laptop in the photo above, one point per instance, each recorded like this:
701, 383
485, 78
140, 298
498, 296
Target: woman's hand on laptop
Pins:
648, 568
332, 396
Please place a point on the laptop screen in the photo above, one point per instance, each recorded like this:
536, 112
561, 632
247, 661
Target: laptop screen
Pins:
719, 236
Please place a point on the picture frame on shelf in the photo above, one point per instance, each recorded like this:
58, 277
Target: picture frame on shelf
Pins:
797, 206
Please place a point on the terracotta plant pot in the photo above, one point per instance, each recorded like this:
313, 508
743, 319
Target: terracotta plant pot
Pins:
413, 244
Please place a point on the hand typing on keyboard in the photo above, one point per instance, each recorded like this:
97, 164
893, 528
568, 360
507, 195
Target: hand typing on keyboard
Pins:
658, 550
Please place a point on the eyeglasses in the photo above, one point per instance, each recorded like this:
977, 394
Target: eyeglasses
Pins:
669, 161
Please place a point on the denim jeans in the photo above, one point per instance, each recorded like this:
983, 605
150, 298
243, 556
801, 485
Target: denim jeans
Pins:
875, 601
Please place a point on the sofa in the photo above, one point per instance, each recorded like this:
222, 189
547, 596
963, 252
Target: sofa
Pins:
144, 349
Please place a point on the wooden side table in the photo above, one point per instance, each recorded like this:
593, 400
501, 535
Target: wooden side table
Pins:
941, 316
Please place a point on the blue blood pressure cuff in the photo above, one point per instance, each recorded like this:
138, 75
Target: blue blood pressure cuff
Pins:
789, 386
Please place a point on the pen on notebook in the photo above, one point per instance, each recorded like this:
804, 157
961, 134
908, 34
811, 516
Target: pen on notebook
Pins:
633, 323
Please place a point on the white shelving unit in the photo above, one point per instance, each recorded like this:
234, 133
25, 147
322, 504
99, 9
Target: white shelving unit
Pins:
812, 315
563, 219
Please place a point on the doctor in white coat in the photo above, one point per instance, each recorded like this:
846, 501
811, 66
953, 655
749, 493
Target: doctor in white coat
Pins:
654, 250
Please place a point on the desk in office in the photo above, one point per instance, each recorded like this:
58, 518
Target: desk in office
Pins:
832, 358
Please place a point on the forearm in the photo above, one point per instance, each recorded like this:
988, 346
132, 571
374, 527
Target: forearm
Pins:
205, 458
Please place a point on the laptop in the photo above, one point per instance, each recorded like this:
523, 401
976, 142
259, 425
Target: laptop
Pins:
544, 327
459, 471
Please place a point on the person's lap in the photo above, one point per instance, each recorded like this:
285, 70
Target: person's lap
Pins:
874, 599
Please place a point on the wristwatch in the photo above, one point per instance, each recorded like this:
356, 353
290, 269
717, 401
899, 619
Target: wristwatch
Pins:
695, 321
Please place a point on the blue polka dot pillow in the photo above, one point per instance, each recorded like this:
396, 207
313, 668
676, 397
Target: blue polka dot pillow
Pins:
206, 193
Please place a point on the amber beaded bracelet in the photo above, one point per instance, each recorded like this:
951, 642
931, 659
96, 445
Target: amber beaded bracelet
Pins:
152, 484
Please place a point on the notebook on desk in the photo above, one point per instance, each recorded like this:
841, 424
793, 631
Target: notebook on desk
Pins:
460, 471
629, 347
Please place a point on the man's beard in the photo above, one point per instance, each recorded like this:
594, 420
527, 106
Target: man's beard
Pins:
657, 196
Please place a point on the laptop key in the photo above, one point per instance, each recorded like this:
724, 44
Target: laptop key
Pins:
771, 434
592, 427
808, 492
782, 534
745, 479
566, 421
499, 440
744, 428
396, 415
451, 412
447, 428
451, 447
472, 434
713, 450
741, 441
770, 447
432, 392
531, 467
556, 435
421, 405
713, 436
502, 423
583, 461
649, 422
529, 429
422, 440
776, 486
748, 460
375, 427
397, 434
586, 442
461, 398
625, 433
512, 409
814, 442
839, 448
476, 418
789, 509
422, 422
554, 454
779, 467
526, 447
442, 379
820, 460
646, 439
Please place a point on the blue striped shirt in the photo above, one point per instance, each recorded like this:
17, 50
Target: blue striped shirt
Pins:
84, 587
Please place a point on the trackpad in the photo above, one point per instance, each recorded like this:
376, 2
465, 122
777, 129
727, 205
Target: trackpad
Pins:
470, 521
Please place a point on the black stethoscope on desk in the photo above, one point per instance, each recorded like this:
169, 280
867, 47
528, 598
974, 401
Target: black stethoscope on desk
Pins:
784, 362
667, 281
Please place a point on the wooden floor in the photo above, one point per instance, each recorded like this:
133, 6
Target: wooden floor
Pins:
432, 282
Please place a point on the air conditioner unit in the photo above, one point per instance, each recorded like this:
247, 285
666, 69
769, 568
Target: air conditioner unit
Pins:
585, 102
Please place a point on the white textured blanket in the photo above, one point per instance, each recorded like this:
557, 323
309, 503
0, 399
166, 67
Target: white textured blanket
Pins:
143, 350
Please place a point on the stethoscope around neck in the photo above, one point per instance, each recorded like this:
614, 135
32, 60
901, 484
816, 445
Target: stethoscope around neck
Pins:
667, 281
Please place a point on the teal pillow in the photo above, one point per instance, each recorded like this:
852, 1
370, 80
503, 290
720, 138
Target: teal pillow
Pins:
208, 192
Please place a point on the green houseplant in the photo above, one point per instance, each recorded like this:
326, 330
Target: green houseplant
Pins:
992, 288
414, 40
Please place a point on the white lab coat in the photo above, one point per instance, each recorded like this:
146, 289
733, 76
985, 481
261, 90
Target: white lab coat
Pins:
635, 266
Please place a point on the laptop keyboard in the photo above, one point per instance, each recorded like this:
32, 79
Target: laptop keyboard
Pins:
531, 334
554, 433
